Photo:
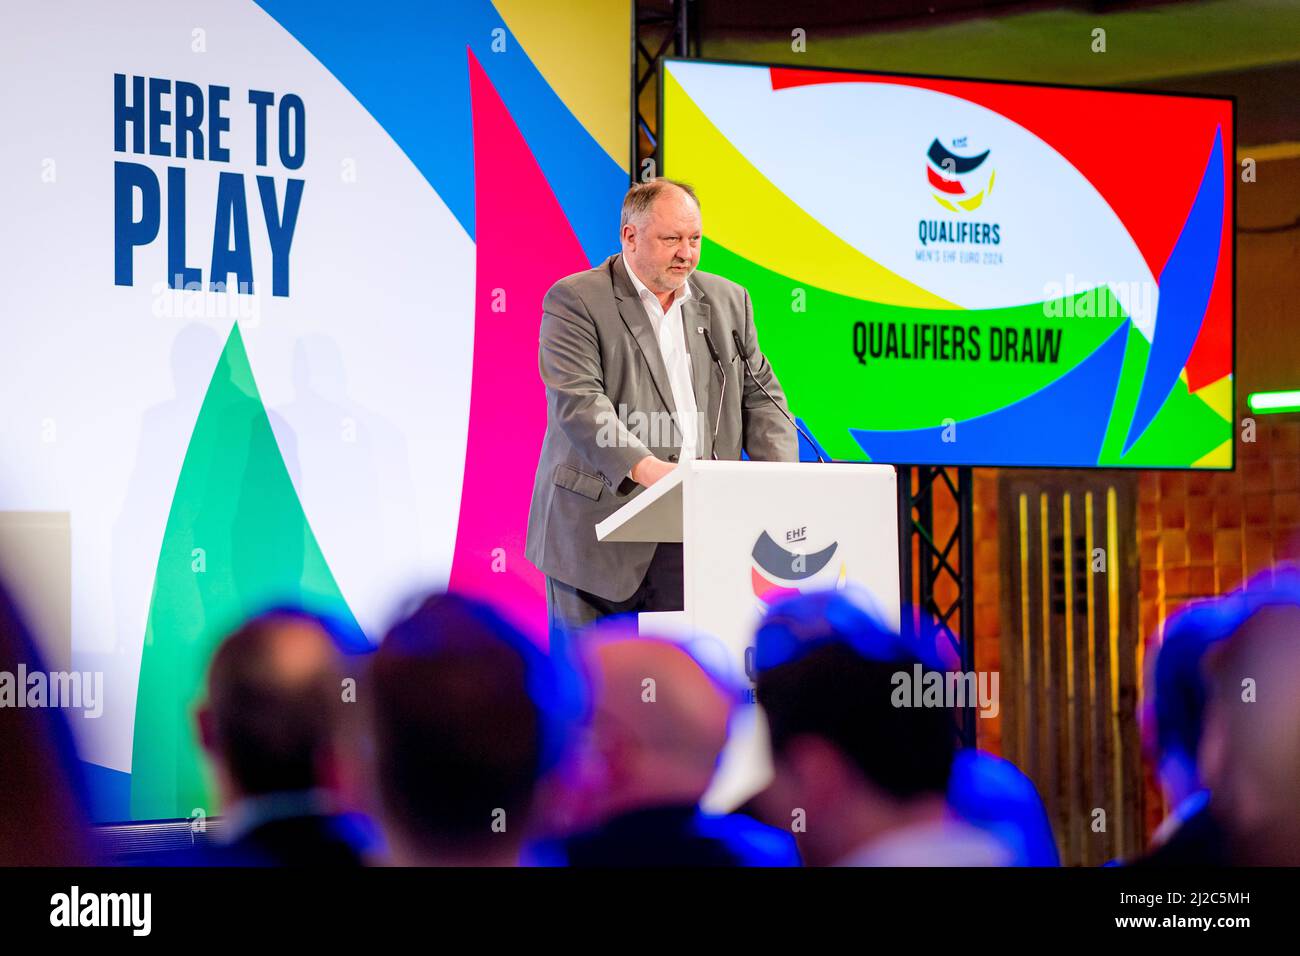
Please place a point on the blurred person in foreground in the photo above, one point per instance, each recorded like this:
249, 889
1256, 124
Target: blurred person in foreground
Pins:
1172, 718
464, 723
994, 795
273, 727
1250, 749
1175, 713
43, 820
865, 779
656, 725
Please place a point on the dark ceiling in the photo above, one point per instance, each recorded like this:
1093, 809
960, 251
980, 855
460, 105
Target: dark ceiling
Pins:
1247, 48
770, 17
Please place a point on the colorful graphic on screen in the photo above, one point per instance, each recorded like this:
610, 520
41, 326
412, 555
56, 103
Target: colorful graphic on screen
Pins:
972, 273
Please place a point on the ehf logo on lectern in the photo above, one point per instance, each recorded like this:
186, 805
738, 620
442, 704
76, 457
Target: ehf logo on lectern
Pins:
779, 572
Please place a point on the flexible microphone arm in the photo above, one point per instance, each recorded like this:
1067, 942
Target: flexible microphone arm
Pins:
744, 357
717, 360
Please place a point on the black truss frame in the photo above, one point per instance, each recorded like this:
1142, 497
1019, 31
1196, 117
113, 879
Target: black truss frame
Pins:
654, 31
917, 487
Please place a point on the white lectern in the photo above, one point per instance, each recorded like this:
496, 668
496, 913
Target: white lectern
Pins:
753, 532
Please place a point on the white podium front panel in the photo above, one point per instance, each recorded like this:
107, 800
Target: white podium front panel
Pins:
755, 532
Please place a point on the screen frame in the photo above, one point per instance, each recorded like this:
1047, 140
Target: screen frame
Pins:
1229, 98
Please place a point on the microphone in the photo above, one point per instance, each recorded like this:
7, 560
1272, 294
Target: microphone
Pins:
717, 360
744, 357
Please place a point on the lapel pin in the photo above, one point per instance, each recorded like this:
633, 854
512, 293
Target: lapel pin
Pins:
699, 329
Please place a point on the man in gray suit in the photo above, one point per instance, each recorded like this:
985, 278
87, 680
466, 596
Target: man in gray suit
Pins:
631, 391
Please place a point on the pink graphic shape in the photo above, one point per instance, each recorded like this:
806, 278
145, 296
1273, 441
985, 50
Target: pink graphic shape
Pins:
524, 244
769, 592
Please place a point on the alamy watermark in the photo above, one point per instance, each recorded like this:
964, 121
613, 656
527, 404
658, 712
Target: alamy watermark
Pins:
210, 301
949, 689
132, 911
656, 429
1076, 298
75, 690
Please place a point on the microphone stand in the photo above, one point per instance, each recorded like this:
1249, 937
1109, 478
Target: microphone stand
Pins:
744, 357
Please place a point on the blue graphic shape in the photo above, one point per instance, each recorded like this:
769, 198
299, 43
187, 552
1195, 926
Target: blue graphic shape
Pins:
1062, 424
1185, 285
950, 163
406, 62
109, 792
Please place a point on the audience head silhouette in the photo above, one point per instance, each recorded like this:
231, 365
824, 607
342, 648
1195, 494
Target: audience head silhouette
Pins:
460, 708
1250, 750
274, 708
869, 776
43, 815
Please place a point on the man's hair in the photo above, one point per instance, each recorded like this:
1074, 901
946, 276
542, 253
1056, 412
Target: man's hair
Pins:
642, 196
457, 704
1258, 775
826, 669
272, 723
1193, 634
1179, 682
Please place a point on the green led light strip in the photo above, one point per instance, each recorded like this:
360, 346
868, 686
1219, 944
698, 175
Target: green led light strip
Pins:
1270, 403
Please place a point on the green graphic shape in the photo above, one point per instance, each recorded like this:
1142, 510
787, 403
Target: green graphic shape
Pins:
1185, 429
812, 353
236, 542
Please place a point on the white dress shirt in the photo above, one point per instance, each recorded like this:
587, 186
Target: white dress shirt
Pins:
672, 343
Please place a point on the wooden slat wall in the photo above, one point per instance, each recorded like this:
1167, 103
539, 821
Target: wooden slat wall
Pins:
1070, 647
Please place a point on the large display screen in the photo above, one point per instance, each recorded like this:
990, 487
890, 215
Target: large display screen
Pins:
973, 273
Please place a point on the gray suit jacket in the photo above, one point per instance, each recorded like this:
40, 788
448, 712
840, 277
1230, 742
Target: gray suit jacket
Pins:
601, 363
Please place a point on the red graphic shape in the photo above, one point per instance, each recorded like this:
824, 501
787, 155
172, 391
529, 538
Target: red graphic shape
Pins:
943, 185
1141, 160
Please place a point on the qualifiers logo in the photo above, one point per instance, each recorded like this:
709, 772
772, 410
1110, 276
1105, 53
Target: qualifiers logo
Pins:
958, 182
774, 566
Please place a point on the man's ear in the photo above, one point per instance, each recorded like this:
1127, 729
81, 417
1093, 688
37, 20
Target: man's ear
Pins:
628, 235
206, 725
1212, 757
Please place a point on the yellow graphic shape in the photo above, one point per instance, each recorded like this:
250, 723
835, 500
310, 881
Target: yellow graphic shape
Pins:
970, 203
746, 213
591, 77
1221, 457
1218, 395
